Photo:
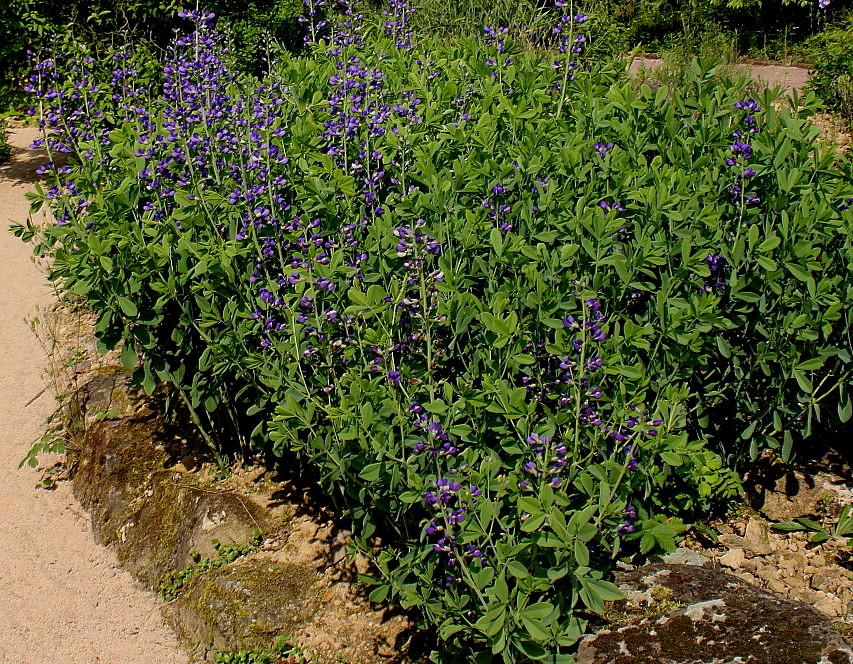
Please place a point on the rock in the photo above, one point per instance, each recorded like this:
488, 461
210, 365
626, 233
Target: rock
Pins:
756, 539
795, 582
749, 578
826, 578
793, 561
154, 517
769, 574
683, 556
777, 587
160, 519
793, 494
247, 605
806, 596
751, 565
720, 620
831, 606
733, 558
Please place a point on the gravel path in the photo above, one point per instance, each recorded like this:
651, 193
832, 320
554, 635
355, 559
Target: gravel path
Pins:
789, 78
62, 598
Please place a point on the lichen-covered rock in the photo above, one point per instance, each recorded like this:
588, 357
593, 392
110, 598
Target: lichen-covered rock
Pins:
155, 518
176, 519
250, 604
710, 617
161, 519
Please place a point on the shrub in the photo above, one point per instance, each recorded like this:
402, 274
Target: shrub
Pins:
257, 28
517, 314
831, 75
5, 148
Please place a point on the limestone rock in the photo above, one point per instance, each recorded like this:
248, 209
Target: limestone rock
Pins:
684, 556
719, 620
733, 558
756, 539
159, 518
154, 517
794, 494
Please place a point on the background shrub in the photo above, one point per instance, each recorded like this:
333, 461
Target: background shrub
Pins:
831, 74
5, 148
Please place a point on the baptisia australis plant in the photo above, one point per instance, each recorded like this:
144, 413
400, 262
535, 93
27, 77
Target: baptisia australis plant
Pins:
510, 311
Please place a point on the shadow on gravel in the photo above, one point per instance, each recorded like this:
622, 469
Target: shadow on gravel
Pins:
21, 168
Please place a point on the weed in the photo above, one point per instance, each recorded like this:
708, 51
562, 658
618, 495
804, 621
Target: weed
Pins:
174, 581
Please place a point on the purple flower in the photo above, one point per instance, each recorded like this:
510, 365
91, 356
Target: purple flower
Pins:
602, 148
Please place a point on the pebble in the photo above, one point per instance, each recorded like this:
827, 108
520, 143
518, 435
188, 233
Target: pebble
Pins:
749, 578
769, 574
805, 596
793, 561
795, 582
733, 558
831, 606
752, 565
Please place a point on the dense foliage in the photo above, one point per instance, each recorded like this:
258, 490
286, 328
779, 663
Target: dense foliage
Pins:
256, 27
516, 313
5, 148
831, 54
761, 28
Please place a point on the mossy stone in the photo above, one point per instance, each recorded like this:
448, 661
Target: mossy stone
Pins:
248, 604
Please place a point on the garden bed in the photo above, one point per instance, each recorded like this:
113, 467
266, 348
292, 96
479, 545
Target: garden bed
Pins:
517, 316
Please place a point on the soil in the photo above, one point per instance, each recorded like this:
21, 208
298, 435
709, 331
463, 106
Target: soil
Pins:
62, 598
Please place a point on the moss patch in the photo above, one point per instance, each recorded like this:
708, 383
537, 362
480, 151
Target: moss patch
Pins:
250, 604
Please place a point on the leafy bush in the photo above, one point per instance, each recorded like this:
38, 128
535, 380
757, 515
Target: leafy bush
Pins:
517, 314
5, 148
760, 28
258, 27
831, 75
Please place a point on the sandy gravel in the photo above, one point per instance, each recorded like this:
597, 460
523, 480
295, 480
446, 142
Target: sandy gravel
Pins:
63, 600
789, 78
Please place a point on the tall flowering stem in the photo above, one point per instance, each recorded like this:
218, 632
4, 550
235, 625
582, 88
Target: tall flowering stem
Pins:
570, 46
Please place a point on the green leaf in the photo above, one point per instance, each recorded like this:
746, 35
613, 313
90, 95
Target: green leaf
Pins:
128, 307
518, 570
536, 628
672, 459
533, 523
845, 409
798, 271
811, 524
804, 383
811, 365
128, 356
769, 244
379, 594
787, 526
371, 472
